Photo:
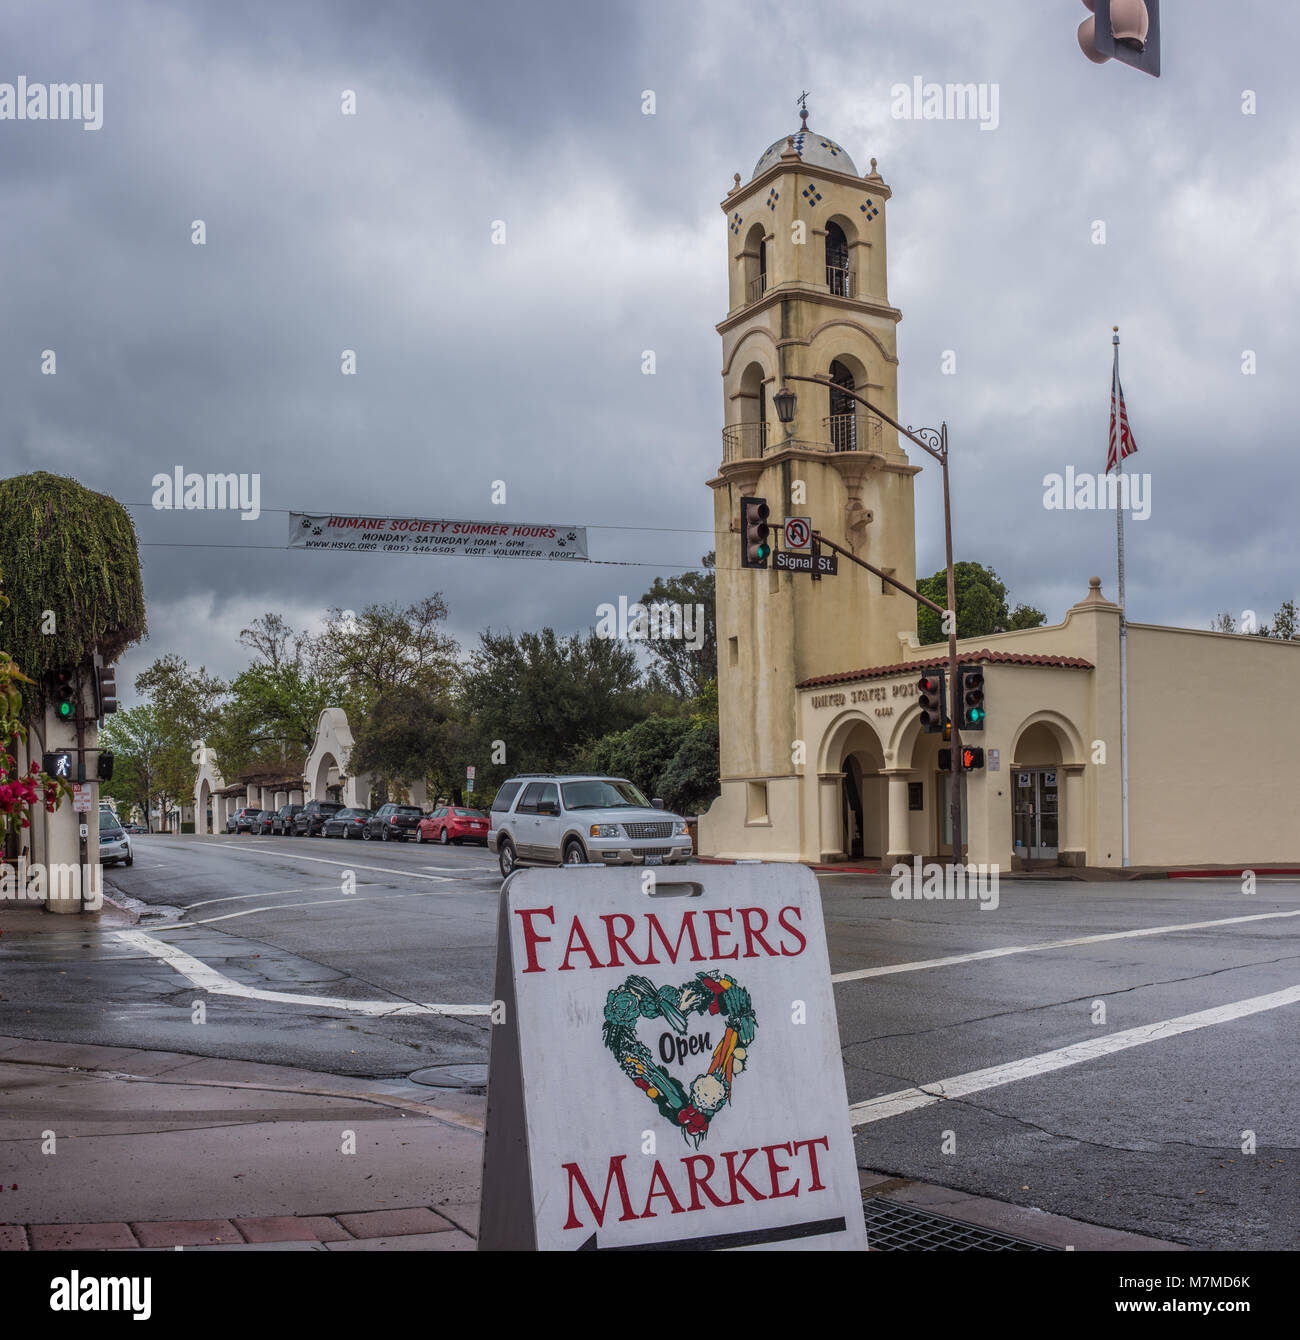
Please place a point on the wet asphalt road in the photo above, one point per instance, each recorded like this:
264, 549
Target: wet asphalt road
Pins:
1148, 1138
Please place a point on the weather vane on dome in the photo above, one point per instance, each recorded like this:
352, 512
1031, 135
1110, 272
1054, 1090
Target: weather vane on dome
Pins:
803, 105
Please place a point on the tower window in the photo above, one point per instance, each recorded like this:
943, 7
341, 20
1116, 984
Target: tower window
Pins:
843, 421
839, 278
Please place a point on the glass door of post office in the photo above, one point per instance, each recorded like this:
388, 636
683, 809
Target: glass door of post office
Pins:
1035, 814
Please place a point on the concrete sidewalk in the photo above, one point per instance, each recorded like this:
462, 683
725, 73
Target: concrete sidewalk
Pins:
108, 1147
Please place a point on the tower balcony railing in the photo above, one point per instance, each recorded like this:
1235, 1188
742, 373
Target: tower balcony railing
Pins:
745, 441
853, 432
757, 287
839, 432
839, 279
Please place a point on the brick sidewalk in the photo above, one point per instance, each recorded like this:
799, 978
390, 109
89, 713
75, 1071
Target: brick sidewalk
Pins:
417, 1228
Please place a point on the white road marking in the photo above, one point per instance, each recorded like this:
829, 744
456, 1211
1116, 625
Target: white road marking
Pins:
352, 865
270, 893
889, 968
218, 984
974, 1081
318, 902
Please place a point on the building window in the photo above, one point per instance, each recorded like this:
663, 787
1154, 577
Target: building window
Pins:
733, 651
838, 277
757, 803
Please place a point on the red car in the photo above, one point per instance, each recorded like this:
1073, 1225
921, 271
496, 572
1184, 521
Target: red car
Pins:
453, 824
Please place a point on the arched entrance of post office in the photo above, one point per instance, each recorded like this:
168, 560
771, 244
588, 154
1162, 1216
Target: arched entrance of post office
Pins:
853, 797
1042, 754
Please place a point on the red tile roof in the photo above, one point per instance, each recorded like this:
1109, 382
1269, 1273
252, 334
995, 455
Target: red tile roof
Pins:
963, 658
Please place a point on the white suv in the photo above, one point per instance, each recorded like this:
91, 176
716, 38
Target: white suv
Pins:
544, 819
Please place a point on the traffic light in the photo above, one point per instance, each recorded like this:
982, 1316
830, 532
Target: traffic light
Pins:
970, 697
57, 764
63, 694
930, 694
1129, 30
105, 691
755, 548
104, 767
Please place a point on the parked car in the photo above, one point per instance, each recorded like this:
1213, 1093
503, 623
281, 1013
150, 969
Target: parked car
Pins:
114, 841
544, 819
393, 821
309, 820
349, 823
283, 822
136, 828
242, 820
263, 823
452, 823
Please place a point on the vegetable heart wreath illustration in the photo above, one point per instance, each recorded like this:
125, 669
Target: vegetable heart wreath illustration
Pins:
689, 1107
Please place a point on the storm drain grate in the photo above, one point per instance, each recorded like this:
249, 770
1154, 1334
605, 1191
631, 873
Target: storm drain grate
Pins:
892, 1227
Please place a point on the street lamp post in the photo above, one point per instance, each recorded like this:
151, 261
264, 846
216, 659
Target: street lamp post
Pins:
933, 441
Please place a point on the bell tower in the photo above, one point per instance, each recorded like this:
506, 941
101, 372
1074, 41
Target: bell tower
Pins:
808, 297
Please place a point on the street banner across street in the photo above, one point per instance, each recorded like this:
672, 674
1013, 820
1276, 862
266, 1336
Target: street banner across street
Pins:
412, 535
666, 1074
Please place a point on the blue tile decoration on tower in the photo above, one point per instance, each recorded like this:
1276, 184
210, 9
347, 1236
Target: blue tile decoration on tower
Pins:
811, 194
772, 197
869, 210
735, 223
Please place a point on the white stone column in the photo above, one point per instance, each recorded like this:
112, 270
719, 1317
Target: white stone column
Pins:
1073, 848
830, 817
900, 836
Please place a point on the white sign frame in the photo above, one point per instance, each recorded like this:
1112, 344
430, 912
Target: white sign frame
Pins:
579, 1153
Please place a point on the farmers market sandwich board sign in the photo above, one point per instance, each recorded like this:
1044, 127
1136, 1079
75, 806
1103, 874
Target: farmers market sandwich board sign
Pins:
667, 1073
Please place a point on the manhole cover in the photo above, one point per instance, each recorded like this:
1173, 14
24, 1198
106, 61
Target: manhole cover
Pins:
463, 1075
892, 1227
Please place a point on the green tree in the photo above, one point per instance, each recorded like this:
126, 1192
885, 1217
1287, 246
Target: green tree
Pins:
543, 697
640, 753
142, 768
981, 604
407, 737
685, 669
1286, 623
689, 784
387, 647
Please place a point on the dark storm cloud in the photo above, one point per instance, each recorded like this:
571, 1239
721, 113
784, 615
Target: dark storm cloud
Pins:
522, 362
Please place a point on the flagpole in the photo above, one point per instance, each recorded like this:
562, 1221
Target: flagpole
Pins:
1123, 625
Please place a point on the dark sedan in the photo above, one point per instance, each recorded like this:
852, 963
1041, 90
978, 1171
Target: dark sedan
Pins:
394, 822
346, 824
263, 823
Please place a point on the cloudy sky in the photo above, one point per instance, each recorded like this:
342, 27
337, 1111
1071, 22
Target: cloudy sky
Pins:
522, 362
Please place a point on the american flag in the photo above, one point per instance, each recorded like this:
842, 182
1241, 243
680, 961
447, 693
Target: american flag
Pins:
1121, 435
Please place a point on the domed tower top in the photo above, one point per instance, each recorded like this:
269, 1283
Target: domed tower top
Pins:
815, 150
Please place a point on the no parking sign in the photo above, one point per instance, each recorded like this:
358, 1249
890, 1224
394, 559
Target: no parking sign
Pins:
667, 1075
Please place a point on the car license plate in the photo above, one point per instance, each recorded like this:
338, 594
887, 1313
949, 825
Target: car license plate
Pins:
654, 860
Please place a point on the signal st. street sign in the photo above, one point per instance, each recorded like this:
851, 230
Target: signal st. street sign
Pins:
827, 565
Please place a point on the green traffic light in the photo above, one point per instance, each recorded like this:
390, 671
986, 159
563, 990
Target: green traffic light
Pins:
65, 709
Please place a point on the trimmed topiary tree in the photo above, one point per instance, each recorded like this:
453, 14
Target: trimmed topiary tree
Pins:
68, 552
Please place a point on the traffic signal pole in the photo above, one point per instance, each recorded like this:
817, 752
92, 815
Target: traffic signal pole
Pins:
933, 441
819, 539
